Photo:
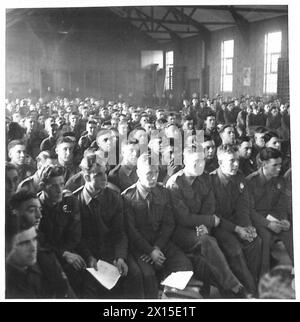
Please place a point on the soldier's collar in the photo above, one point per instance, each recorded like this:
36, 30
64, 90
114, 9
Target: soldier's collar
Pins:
88, 197
189, 180
224, 179
33, 268
262, 176
127, 171
45, 200
67, 165
143, 191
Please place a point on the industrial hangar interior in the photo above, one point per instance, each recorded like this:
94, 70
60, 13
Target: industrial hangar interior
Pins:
104, 106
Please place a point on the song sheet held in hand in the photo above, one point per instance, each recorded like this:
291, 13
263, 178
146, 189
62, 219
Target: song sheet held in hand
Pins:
107, 274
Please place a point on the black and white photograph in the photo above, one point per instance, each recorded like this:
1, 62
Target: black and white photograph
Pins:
148, 152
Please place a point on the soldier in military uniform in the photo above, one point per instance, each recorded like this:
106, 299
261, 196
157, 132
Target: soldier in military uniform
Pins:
246, 165
60, 226
11, 181
86, 140
273, 140
210, 128
103, 232
31, 270
124, 175
211, 161
49, 143
194, 207
106, 147
32, 183
17, 154
236, 235
258, 143
150, 223
270, 205
227, 134
65, 156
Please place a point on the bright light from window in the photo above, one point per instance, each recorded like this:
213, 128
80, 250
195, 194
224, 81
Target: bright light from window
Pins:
169, 58
151, 57
227, 53
272, 53
169, 70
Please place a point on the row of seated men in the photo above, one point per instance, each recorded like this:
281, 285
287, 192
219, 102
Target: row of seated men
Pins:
66, 145
245, 113
221, 225
36, 123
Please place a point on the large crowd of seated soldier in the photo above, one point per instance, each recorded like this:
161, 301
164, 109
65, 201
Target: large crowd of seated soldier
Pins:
135, 186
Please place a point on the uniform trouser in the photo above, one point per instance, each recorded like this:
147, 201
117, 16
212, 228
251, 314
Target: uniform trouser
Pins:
128, 287
268, 238
244, 258
206, 247
76, 278
175, 261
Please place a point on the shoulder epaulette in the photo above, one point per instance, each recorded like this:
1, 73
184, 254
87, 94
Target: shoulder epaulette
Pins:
77, 190
129, 189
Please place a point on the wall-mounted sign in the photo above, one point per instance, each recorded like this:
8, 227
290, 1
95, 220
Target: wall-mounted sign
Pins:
247, 76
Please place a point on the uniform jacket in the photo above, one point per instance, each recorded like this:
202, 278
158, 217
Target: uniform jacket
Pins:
123, 177
232, 200
247, 166
103, 232
60, 226
45, 279
149, 223
268, 197
85, 142
31, 183
193, 203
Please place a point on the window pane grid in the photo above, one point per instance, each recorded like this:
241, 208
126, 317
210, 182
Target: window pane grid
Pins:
227, 52
169, 70
271, 56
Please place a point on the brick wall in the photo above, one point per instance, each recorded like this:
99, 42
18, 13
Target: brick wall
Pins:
246, 54
102, 63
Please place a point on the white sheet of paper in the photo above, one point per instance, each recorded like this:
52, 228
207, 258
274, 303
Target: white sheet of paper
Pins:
271, 218
107, 274
178, 279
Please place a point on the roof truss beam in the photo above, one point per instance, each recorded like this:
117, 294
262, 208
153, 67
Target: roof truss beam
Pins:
242, 23
240, 8
184, 23
199, 26
172, 33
